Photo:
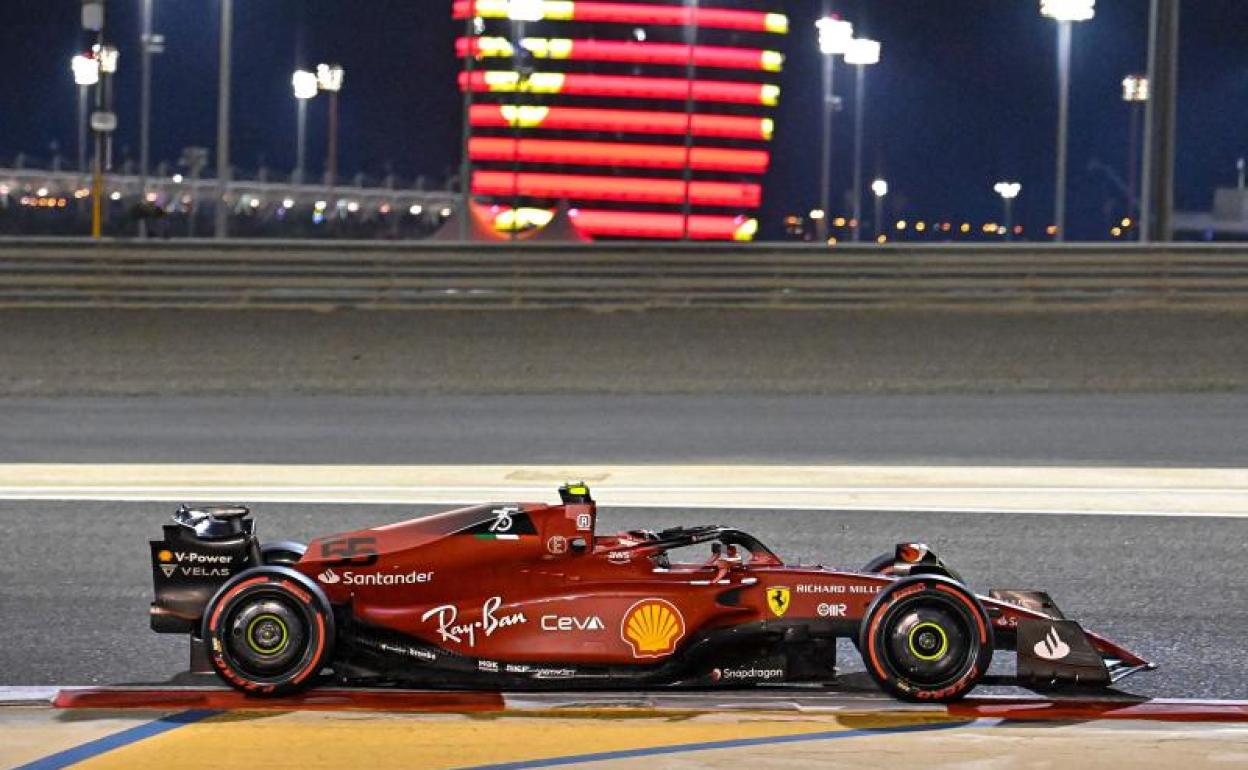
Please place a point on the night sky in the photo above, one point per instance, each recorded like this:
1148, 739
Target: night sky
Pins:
965, 95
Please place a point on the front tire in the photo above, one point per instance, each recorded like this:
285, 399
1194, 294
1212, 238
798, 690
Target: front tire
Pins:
884, 564
926, 639
269, 631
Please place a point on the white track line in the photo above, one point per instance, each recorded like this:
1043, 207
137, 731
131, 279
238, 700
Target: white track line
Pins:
194, 495
1164, 492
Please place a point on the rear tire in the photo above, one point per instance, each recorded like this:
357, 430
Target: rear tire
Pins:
283, 554
926, 639
269, 631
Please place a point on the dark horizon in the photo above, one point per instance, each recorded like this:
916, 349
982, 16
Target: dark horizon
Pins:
965, 96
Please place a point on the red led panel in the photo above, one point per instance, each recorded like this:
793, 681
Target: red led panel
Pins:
615, 188
647, 224
578, 153
639, 13
636, 53
625, 87
625, 121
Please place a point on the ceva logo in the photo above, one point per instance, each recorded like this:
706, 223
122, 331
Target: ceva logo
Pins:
1051, 647
329, 577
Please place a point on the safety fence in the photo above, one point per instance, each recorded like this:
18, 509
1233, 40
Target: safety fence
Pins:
267, 274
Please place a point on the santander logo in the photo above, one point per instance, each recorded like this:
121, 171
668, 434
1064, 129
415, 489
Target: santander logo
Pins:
329, 577
1051, 647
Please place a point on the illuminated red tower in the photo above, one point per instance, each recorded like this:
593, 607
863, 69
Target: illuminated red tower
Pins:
649, 119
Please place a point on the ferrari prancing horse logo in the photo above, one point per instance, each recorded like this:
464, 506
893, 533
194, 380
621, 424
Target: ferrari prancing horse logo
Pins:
778, 600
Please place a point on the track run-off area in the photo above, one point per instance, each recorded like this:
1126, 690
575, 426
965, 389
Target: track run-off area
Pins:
1146, 555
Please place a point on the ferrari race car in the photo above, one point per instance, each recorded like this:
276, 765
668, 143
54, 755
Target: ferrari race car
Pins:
528, 596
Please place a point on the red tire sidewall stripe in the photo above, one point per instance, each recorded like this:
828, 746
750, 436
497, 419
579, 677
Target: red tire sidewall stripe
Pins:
314, 662
975, 613
876, 619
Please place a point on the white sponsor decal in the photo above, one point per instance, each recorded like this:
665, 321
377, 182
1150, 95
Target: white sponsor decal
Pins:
584, 522
832, 610
568, 623
466, 633
411, 652
204, 571
502, 518
820, 589
489, 666
557, 545
753, 674
619, 557
1051, 647
202, 558
196, 565
329, 577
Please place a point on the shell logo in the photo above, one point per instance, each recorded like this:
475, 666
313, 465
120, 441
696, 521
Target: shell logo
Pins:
652, 627
165, 556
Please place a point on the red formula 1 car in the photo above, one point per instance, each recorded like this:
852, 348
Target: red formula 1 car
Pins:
528, 596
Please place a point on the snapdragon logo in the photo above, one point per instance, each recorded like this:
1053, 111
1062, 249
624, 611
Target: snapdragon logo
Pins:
747, 674
330, 577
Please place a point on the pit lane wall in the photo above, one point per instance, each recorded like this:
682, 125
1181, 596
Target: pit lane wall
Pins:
125, 318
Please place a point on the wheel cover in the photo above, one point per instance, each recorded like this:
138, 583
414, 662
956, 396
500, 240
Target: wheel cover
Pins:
927, 641
265, 636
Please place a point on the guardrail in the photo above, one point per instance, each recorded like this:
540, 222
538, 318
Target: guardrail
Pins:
61, 273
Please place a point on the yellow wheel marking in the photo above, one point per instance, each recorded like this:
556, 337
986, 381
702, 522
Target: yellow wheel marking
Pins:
944, 642
281, 645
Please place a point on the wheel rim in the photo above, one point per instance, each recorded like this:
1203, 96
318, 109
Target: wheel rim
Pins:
929, 643
265, 636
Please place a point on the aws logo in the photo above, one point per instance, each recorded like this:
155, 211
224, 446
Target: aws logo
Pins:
653, 628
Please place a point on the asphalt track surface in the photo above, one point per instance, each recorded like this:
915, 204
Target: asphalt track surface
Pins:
1188, 430
75, 581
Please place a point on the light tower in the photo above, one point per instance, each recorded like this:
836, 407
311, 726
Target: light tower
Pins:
304, 85
835, 35
329, 78
1135, 92
861, 53
86, 74
880, 189
1008, 192
1065, 13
